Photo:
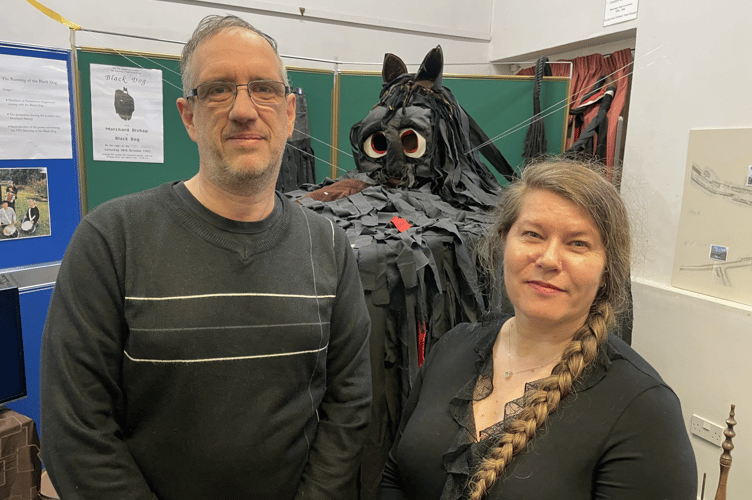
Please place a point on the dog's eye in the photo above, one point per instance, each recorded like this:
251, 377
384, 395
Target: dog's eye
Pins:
413, 144
376, 145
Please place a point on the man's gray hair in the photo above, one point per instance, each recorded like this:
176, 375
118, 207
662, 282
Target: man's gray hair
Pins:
210, 26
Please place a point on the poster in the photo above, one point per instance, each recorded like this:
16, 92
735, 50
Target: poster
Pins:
714, 245
619, 11
127, 114
25, 206
35, 120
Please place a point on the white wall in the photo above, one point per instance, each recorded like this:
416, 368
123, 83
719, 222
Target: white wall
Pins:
692, 70
524, 30
320, 34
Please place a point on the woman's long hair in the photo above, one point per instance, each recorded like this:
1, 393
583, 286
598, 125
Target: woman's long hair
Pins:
585, 185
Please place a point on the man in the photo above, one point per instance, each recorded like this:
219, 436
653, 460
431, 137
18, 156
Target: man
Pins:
7, 215
208, 339
32, 214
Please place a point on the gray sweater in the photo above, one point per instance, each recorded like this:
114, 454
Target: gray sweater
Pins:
188, 356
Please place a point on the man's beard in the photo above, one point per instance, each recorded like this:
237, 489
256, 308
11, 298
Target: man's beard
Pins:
241, 180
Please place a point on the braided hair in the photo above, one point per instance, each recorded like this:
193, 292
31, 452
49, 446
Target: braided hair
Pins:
583, 184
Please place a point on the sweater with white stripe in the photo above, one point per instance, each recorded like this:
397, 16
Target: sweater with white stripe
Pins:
188, 356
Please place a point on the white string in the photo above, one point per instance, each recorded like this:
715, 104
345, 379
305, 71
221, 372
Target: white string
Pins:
558, 106
316, 157
324, 142
554, 108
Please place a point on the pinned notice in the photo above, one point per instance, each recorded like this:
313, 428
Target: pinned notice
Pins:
619, 11
127, 114
35, 120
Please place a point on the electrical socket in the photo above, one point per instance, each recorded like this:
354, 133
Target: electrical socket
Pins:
707, 430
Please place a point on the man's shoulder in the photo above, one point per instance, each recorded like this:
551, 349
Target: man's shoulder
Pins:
316, 221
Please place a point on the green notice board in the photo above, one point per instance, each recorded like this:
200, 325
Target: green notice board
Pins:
501, 105
109, 179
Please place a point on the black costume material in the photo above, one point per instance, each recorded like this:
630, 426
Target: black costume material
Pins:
415, 152
418, 284
419, 108
619, 435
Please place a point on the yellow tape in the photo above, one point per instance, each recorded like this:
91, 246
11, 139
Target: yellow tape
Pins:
54, 15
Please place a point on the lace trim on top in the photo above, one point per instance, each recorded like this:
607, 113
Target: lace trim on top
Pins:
465, 453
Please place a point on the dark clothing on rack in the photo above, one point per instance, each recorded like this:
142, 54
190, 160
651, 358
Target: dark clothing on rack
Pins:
298, 161
593, 141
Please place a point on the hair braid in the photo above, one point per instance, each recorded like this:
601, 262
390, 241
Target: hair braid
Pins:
540, 403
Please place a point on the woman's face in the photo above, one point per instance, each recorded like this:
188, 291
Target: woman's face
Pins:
553, 261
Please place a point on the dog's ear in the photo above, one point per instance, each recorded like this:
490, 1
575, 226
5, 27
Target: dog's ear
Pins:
432, 67
393, 68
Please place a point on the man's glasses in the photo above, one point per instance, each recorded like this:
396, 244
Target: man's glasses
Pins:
262, 92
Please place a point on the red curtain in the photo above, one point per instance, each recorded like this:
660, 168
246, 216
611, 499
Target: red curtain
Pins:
586, 71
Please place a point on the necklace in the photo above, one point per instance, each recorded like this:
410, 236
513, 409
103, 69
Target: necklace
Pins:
511, 372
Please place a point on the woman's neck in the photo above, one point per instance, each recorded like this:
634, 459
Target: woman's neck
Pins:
533, 341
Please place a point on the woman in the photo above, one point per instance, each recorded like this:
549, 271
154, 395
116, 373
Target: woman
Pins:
545, 404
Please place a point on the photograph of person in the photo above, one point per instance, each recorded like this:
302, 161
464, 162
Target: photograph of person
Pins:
26, 194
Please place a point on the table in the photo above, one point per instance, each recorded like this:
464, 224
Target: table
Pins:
20, 465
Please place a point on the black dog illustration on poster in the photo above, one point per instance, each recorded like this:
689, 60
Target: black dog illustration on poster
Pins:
124, 104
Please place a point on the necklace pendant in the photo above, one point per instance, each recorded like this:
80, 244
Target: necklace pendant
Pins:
507, 374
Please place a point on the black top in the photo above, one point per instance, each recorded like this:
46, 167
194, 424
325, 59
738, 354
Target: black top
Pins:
32, 214
619, 435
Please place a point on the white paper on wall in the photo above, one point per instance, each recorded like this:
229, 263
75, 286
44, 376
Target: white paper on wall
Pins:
127, 114
35, 119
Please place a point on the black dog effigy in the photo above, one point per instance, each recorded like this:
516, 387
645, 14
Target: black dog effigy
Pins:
413, 208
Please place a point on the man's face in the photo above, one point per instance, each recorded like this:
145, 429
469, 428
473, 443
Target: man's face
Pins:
240, 144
